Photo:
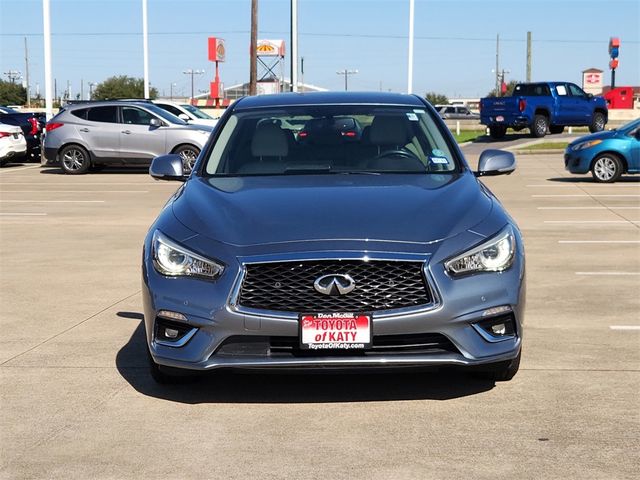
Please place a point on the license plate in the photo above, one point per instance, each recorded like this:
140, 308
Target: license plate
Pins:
335, 331
499, 118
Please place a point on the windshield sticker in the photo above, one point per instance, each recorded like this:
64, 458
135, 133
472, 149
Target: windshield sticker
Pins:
439, 160
438, 153
412, 116
419, 111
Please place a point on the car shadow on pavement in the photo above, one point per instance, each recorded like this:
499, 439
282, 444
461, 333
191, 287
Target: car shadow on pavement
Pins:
507, 138
589, 179
307, 387
53, 170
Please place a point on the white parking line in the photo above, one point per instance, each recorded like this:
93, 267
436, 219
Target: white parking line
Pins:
52, 201
591, 222
584, 195
624, 327
589, 208
613, 274
598, 241
89, 184
75, 191
570, 185
18, 169
10, 214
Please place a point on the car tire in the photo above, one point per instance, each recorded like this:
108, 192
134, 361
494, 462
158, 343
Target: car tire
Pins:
74, 160
502, 371
555, 129
189, 154
539, 127
167, 375
497, 132
606, 168
597, 122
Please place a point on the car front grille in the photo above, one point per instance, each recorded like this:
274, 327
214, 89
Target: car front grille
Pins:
289, 286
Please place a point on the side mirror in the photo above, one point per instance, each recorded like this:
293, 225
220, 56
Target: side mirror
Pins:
167, 167
184, 116
589, 96
495, 162
154, 122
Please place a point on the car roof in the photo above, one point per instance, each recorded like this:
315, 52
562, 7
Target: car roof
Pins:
328, 98
106, 103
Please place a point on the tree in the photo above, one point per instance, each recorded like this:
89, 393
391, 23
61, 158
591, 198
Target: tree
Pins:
12, 93
510, 86
436, 98
122, 87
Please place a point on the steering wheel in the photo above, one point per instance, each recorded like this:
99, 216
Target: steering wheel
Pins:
400, 152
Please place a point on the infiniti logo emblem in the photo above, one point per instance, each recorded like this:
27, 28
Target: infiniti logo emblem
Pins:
334, 284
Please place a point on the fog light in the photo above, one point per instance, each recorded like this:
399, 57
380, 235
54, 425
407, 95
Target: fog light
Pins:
498, 328
172, 315
171, 333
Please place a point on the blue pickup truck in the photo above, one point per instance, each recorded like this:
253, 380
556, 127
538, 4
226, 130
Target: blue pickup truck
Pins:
543, 107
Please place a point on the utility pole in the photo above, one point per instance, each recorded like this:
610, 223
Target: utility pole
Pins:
253, 61
498, 65
91, 85
13, 75
193, 72
302, 73
26, 69
346, 74
171, 90
46, 20
528, 56
410, 69
294, 45
81, 89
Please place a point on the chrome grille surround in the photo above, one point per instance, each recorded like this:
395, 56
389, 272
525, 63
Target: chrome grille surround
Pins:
433, 298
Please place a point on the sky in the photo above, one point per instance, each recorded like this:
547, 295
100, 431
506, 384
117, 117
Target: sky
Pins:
455, 41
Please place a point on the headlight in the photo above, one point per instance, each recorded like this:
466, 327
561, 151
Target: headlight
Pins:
171, 259
585, 145
495, 255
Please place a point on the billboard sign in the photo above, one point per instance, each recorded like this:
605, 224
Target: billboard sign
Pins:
270, 48
217, 51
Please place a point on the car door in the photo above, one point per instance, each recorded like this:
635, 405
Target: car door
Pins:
564, 106
140, 141
101, 132
581, 105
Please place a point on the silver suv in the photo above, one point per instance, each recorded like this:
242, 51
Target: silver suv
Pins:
119, 133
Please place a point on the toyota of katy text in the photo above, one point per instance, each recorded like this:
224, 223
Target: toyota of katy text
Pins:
296, 242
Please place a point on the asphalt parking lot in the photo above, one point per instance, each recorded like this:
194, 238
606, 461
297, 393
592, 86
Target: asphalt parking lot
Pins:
77, 402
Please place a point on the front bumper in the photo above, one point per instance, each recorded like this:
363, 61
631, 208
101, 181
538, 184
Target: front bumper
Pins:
577, 161
211, 320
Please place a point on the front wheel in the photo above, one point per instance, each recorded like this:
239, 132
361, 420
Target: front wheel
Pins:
597, 122
606, 168
188, 154
74, 160
539, 127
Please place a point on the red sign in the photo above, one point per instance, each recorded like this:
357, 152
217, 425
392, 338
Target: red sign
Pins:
593, 78
217, 51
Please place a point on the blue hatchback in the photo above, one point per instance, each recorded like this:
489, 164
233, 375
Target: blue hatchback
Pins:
606, 154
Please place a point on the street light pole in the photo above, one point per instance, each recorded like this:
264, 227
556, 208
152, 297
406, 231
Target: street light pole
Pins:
346, 74
145, 46
410, 69
294, 45
193, 72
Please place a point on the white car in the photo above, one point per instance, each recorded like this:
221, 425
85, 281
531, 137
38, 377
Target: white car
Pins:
186, 112
12, 143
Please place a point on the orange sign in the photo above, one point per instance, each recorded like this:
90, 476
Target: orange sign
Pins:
270, 48
217, 52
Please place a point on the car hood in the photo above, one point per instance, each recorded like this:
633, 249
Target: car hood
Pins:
605, 134
244, 211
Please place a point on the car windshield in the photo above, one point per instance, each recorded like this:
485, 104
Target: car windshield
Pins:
169, 117
331, 139
196, 112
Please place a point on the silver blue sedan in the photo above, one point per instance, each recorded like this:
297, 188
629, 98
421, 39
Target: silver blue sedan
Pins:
300, 242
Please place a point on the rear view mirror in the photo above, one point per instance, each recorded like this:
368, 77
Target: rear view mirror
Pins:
167, 167
495, 162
